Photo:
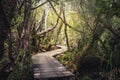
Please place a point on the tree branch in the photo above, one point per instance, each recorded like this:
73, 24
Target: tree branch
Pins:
85, 18
62, 19
109, 27
39, 5
49, 29
65, 31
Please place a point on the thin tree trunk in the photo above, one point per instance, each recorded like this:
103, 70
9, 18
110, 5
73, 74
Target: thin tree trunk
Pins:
65, 30
66, 35
58, 32
26, 33
10, 45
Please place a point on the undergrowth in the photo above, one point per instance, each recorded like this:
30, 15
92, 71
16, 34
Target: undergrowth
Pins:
89, 72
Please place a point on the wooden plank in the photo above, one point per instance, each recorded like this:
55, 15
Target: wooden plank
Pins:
48, 67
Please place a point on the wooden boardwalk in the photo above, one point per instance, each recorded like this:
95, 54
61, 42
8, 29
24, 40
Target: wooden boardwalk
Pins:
46, 66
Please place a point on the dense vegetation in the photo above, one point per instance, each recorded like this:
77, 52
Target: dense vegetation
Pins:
89, 28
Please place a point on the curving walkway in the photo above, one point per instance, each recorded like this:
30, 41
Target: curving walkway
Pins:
46, 66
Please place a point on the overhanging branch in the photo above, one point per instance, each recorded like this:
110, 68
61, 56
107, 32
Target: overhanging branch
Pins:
39, 5
62, 19
49, 29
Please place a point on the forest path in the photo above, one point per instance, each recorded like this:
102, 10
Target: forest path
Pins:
46, 66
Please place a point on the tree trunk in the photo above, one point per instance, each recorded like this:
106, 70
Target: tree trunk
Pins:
65, 30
